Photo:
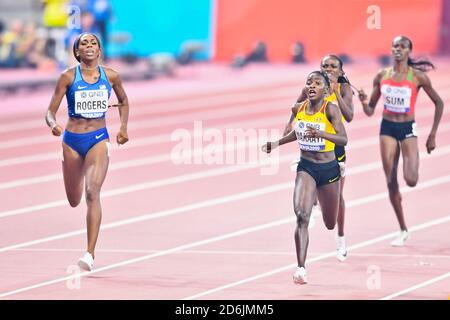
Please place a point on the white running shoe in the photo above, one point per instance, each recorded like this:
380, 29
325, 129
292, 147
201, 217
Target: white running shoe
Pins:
300, 276
315, 213
86, 262
341, 248
400, 240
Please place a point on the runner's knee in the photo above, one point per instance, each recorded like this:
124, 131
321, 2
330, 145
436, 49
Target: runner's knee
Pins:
92, 193
74, 201
302, 217
411, 179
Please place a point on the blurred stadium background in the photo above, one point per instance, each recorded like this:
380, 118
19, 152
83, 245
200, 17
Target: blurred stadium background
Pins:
234, 65
146, 39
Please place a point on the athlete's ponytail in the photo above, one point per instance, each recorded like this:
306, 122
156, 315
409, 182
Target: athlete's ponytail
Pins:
421, 64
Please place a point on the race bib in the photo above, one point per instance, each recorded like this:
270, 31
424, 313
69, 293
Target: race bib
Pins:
309, 143
91, 103
396, 99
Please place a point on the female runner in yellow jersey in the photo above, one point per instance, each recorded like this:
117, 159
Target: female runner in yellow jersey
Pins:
318, 127
342, 95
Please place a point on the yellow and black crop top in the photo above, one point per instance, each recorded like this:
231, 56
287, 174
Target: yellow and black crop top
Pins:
317, 120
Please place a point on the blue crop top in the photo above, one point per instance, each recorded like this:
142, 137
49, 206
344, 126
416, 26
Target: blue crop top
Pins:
85, 100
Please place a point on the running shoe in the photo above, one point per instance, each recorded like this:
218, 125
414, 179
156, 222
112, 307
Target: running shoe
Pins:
341, 248
401, 238
300, 276
86, 262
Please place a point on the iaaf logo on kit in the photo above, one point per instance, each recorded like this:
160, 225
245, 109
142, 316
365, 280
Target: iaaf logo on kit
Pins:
232, 146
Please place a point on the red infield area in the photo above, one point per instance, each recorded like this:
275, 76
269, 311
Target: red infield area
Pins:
218, 223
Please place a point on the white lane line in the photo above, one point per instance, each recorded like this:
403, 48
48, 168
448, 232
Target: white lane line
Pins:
145, 186
231, 252
155, 215
138, 142
222, 200
171, 121
203, 174
33, 158
318, 258
149, 108
201, 103
154, 159
217, 239
417, 286
153, 255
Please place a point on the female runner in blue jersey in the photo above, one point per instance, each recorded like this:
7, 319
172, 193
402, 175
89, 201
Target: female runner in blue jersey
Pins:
85, 139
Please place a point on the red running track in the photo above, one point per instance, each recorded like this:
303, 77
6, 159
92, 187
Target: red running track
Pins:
221, 230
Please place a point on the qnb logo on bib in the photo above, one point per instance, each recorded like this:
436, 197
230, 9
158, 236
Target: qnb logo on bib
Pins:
396, 99
91, 103
309, 143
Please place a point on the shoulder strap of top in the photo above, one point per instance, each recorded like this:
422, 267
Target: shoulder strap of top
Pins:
387, 73
78, 76
302, 106
102, 73
324, 105
410, 72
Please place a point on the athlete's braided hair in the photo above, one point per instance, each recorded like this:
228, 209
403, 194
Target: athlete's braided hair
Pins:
323, 75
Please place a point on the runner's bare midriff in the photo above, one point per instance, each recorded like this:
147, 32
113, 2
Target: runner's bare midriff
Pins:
81, 125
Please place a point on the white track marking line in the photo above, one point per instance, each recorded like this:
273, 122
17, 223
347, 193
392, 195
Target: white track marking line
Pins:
154, 255
155, 215
136, 143
417, 286
318, 258
164, 213
198, 103
230, 252
149, 108
361, 123
209, 173
157, 122
221, 238
253, 193
144, 160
